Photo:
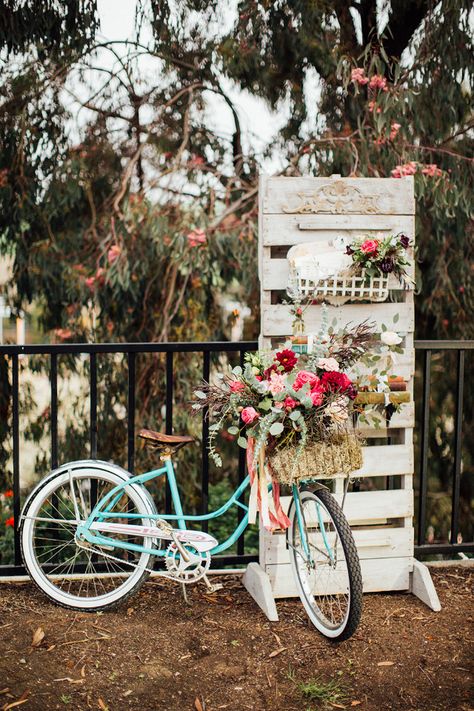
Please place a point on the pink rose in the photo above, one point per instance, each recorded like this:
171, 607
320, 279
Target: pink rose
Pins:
196, 237
277, 383
304, 376
236, 386
317, 394
249, 414
289, 403
370, 246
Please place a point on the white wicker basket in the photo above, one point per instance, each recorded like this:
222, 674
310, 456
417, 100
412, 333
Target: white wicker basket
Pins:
339, 288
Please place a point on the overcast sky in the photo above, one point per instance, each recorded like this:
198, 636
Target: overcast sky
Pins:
259, 124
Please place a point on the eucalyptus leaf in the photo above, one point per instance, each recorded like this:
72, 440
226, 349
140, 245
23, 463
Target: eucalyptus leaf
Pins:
233, 430
295, 415
242, 442
276, 429
200, 394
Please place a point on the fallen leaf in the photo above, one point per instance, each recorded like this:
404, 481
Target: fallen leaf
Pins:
356, 703
5, 690
276, 652
83, 671
127, 693
38, 637
130, 611
337, 706
102, 705
15, 703
198, 705
385, 664
51, 647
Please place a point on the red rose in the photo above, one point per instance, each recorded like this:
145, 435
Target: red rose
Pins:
287, 359
370, 246
337, 382
10, 521
8, 494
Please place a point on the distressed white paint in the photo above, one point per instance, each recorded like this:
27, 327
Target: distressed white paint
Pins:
296, 211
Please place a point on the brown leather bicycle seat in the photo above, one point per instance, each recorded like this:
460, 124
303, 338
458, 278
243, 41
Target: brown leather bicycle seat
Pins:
164, 441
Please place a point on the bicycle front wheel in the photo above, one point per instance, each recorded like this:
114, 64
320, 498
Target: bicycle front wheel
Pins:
325, 564
69, 572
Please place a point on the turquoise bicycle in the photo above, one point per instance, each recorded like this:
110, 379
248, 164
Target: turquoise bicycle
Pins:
90, 535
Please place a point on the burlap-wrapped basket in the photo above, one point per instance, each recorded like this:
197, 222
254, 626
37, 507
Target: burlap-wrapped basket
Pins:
342, 454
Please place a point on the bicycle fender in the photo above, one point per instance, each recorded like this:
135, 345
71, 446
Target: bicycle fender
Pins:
93, 464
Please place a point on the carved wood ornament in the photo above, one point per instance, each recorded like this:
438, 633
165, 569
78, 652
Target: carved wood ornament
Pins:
335, 197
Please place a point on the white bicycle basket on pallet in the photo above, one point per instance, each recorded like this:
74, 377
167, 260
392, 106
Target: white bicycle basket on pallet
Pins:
326, 272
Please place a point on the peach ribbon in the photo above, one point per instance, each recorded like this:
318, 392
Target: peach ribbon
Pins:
270, 508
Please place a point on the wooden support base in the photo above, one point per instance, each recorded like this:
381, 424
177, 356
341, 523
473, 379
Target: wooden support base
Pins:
422, 586
257, 583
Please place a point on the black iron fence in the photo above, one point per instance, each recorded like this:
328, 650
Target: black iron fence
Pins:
131, 350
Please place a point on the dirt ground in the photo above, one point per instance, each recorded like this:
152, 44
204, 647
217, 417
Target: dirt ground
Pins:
220, 652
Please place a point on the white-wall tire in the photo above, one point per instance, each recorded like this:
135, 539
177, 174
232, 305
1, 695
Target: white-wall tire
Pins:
82, 472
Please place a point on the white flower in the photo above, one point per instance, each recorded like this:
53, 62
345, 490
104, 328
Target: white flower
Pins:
328, 364
337, 410
390, 338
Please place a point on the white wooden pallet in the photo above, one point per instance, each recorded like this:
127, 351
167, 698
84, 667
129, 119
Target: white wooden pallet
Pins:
299, 210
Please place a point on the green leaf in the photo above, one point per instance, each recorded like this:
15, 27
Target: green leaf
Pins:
295, 415
237, 370
276, 429
265, 404
200, 394
233, 430
242, 442
396, 318
384, 327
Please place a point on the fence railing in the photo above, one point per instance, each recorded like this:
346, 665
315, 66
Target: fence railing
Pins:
131, 350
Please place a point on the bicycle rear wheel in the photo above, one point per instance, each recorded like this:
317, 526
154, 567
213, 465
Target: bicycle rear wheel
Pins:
325, 563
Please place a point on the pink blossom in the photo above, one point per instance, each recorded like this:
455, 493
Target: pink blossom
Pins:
90, 282
249, 414
372, 106
114, 253
432, 170
236, 386
370, 246
358, 76
304, 376
196, 237
277, 383
289, 403
63, 333
378, 82
406, 169
394, 129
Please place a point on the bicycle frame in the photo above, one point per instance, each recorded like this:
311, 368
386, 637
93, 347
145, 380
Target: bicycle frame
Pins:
103, 510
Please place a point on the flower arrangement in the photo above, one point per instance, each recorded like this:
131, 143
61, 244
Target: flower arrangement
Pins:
375, 255
284, 402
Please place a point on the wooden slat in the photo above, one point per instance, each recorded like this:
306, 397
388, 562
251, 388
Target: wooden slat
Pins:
361, 507
277, 320
381, 196
376, 543
288, 230
378, 575
275, 275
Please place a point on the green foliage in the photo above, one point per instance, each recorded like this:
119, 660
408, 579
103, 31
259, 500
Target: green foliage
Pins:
97, 215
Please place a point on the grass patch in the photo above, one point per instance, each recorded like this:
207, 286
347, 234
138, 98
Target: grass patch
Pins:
323, 693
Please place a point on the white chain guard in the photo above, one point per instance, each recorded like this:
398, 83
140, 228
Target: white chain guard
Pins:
198, 539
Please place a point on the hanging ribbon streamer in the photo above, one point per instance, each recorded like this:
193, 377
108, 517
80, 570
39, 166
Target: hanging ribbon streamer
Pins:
270, 508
